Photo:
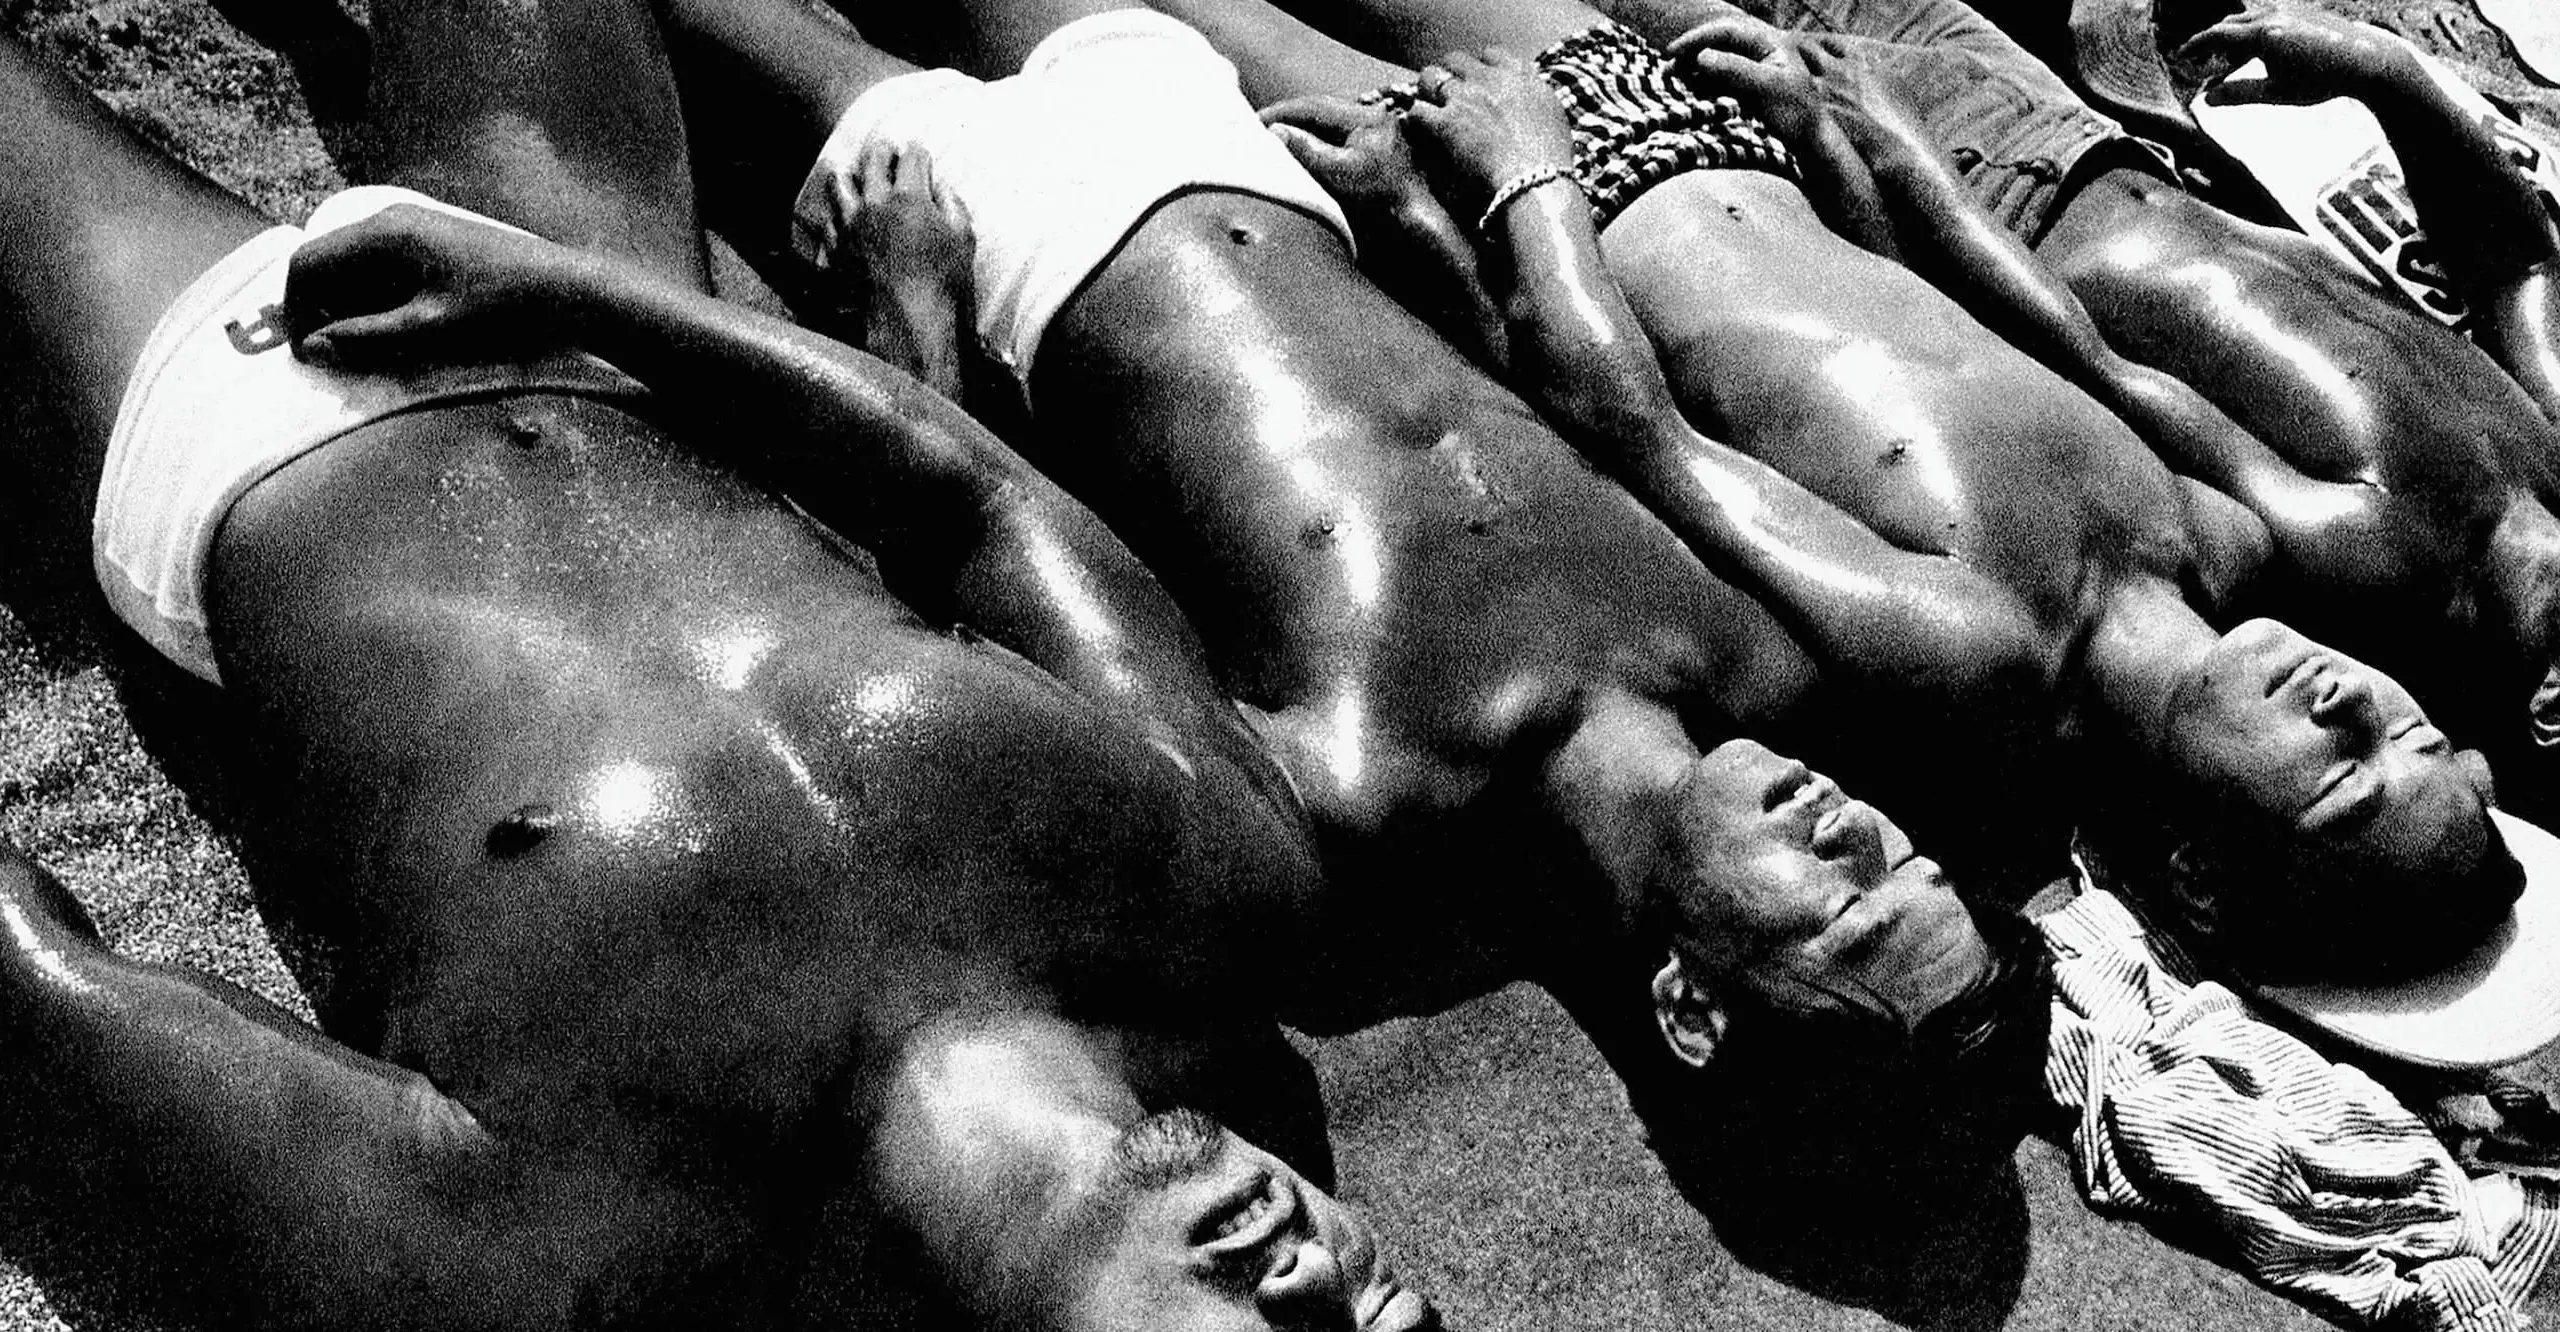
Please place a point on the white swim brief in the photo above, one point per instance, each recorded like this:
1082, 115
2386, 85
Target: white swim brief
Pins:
217, 403
1111, 115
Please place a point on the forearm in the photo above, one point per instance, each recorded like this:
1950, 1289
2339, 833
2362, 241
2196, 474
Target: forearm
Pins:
2521, 327
867, 449
1430, 268
1861, 601
1844, 191
1576, 349
964, 529
1658, 21
2483, 215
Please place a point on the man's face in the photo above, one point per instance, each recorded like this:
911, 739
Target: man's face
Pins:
1199, 1231
2322, 745
1789, 886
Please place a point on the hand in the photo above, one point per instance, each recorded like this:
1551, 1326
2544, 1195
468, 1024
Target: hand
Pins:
901, 264
1357, 151
1490, 119
410, 284
2311, 57
897, 228
1739, 56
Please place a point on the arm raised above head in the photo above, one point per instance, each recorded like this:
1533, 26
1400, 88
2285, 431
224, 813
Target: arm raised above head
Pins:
2490, 227
963, 528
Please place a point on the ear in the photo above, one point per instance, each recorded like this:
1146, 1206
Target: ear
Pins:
2192, 903
1692, 1022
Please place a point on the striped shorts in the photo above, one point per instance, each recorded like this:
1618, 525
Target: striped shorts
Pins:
1637, 121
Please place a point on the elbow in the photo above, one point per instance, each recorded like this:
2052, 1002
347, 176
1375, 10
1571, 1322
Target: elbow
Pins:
1994, 654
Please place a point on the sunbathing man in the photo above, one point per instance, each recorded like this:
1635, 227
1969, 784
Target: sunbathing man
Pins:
1969, 456
721, 937
2434, 473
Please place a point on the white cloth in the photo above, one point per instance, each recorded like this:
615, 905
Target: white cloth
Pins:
1111, 115
217, 403
2323, 1184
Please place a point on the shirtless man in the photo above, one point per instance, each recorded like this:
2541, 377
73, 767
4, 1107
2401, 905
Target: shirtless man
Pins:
2432, 470
724, 937
1223, 426
1939, 444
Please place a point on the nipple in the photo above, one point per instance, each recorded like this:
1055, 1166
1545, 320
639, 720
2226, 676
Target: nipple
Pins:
1242, 234
523, 829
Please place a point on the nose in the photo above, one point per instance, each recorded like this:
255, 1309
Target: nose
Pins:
1307, 1289
1855, 837
2344, 701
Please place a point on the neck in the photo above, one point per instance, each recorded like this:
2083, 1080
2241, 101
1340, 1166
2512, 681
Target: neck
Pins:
2146, 639
1612, 778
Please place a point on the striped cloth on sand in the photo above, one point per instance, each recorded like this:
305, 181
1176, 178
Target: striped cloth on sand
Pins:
2322, 1183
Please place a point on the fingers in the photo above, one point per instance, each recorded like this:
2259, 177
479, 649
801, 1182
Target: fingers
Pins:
1333, 117
2226, 45
1744, 75
912, 173
2268, 91
876, 169
371, 266
1324, 161
1459, 67
955, 212
1735, 34
361, 341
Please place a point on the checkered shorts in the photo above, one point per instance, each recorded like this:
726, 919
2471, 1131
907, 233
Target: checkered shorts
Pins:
1637, 121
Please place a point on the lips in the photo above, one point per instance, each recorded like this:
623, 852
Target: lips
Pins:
2301, 677
1392, 1308
1251, 1217
1794, 778
1835, 821
1803, 797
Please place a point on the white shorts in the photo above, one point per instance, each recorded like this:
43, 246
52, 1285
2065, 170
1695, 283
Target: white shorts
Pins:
1112, 115
217, 403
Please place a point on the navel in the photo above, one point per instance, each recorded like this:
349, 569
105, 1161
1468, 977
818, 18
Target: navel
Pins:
522, 430
524, 828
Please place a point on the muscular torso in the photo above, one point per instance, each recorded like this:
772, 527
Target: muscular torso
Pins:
2346, 386
1392, 559
638, 815
1869, 387
2312, 359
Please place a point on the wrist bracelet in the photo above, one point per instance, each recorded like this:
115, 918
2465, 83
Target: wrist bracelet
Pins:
1511, 190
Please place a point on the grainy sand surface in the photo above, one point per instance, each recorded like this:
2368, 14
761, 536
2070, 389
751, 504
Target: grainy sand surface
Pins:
1489, 1142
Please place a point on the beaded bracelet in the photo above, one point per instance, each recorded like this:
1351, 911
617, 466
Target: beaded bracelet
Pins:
1511, 190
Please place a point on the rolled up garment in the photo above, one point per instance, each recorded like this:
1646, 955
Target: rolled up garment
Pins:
2322, 1184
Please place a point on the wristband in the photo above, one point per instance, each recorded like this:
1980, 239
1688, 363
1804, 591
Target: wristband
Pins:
1511, 190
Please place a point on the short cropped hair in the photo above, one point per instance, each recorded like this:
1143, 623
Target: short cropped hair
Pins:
1846, 1103
2277, 910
